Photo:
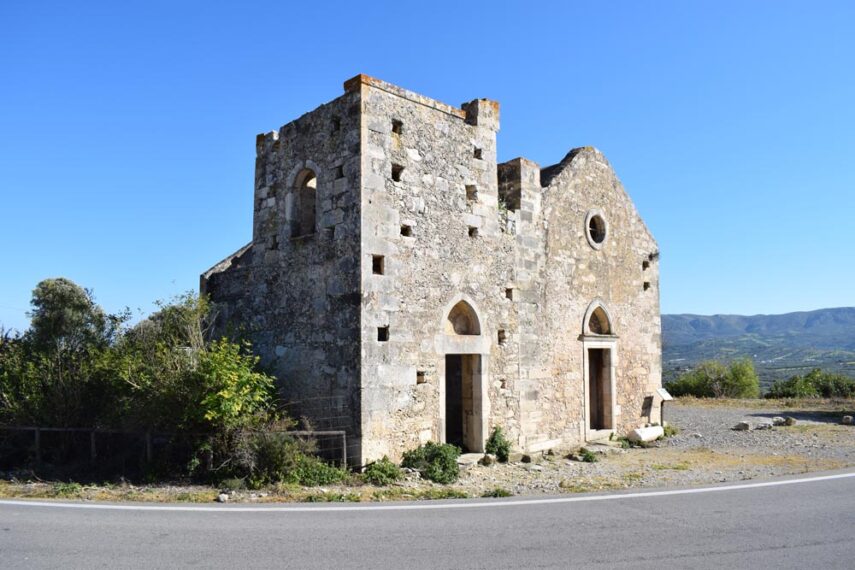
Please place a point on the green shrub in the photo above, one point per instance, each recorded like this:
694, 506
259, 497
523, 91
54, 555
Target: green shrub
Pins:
712, 379
815, 384
266, 458
434, 461
670, 430
311, 472
67, 489
382, 472
232, 484
588, 456
498, 445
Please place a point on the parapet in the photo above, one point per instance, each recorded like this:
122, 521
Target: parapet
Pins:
480, 112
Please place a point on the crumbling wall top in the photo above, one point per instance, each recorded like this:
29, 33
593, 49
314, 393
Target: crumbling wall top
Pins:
354, 83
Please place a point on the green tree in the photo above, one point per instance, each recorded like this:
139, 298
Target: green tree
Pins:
65, 318
712, 379
54, 373
741, 380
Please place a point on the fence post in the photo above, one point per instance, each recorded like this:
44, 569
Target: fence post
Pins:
92, 452
148, 447
344, 450
38, 434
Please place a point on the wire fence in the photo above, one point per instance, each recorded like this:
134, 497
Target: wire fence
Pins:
129, 454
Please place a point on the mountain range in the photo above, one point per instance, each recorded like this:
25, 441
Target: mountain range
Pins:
780, 345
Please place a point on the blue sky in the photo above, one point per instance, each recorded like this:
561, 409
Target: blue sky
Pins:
127, 129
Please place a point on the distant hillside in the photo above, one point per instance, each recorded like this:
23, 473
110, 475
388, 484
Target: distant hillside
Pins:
780, 345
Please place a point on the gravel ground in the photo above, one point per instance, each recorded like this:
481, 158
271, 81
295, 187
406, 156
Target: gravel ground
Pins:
707, 450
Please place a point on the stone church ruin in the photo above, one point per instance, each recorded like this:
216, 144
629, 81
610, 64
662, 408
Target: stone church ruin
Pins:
405, 287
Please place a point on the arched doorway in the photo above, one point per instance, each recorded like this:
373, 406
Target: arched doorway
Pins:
463, 387
599, 344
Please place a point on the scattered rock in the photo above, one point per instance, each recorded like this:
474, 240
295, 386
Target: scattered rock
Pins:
742, 426
526, 458
223, 498
789, 421
515, 457
764, 425
778, 421
697, 435
488, 459
847, 420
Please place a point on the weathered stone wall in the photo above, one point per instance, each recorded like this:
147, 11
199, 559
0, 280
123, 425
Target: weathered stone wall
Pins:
426, 272
413, 216
578, 275
297, 298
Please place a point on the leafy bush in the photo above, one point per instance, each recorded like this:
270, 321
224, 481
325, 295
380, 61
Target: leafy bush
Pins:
815, 384
498, 445
382, 472
670, 430
312, 472
434, 461
712, 379
265, 458
588, 456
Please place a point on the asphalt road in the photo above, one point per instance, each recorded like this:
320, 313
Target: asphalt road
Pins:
806, 524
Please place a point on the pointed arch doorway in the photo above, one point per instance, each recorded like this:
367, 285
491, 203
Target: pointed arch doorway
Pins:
599, 356
463, 385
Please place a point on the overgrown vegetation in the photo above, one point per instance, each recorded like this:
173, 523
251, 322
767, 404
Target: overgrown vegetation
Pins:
434, 461
588, 456
713, 379
382, 472
498, 445
670, 430
77, 366
815, 384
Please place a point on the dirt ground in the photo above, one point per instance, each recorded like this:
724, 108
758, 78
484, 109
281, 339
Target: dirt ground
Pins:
706, 450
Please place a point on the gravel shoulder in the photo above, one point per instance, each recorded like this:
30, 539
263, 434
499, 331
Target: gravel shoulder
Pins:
706, 450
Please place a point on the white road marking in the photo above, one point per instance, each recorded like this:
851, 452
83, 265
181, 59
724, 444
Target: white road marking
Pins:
421, 505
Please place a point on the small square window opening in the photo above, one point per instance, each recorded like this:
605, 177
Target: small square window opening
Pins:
383, 334
471, 193
378, 265
397, 171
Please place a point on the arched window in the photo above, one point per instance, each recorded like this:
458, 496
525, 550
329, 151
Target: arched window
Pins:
462, 320
305, 201
597, 320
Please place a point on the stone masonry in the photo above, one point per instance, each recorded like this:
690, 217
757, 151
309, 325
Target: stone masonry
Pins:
404, 287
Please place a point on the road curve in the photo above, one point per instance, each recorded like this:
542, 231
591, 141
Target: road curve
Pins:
795, 523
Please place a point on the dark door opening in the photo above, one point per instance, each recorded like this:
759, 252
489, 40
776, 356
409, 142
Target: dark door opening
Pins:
454, 399
463, 401
599, 389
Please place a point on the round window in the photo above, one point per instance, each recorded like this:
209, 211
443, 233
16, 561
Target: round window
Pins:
596, 228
